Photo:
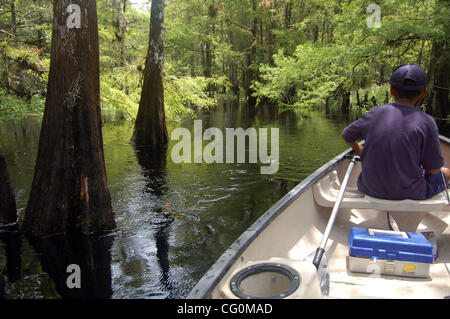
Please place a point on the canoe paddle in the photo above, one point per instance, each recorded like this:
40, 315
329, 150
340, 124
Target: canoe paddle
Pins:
446, 187
320, 260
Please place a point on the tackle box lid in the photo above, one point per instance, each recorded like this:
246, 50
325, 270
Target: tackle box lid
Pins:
390, 245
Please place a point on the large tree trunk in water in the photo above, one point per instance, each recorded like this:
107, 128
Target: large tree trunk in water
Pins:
150, 127
8, 212
69, 191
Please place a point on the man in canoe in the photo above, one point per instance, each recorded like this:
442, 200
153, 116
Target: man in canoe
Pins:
401, 157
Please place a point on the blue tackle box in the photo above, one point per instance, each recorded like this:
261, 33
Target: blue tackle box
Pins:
394, 253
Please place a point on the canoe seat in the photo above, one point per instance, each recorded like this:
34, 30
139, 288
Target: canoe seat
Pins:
326, 191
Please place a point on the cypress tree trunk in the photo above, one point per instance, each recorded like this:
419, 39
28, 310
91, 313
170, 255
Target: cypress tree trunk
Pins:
438, 98
8, 212
287, 14
270, 35
13, 17
120, 25
209, 47
150, 127
251, 60
124, 32
69, 191
345, 106
208, 59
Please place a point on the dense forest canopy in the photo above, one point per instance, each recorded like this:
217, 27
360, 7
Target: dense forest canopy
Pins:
295, 53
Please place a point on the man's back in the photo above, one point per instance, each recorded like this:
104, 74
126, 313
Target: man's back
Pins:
398, 140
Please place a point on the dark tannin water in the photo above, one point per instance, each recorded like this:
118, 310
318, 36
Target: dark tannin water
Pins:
174, 220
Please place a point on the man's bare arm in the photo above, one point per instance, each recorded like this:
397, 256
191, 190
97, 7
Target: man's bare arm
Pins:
357, 148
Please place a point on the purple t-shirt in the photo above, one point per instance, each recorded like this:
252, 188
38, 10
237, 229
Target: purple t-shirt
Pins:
398, 140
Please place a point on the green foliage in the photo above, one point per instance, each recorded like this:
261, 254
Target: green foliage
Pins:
14, 106
296, 53
120, 77
112, 97
121, 90
353, 55
313, 73
182, 94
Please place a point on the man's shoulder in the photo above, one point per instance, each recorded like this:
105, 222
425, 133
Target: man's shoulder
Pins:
419, 115
383, 108
426, 119
378, 109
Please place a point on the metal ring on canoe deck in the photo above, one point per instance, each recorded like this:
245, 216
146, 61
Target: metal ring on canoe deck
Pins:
291, 275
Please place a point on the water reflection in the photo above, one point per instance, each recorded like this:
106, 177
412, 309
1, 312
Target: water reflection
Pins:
12, 241
174, 220
153, 163
91, 253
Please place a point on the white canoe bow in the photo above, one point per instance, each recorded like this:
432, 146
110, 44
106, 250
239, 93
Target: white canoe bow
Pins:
291, 230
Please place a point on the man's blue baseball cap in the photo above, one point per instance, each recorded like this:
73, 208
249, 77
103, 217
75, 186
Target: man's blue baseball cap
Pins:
415, 76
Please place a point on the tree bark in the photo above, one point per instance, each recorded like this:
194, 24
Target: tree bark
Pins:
119, 23
437, 103
13, 17
150, 127
124, 32
8, 212
69, 192
270, 35
208, 59
288, 14
251, 59
209, 46
233, 77
345, 106
358, 101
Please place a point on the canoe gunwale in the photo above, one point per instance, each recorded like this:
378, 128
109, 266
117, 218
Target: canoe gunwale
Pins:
444, 139
212, 277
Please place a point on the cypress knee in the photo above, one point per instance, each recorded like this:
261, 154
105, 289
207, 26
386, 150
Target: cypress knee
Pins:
69, 191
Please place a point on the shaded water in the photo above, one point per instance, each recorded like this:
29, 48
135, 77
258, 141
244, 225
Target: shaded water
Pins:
174, 220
